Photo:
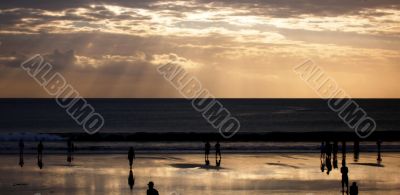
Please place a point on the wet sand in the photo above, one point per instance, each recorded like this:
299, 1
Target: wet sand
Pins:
239, 174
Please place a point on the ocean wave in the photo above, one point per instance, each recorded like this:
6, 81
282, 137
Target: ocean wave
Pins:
27, 136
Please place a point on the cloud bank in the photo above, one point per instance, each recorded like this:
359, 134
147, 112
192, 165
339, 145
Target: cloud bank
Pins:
236, 48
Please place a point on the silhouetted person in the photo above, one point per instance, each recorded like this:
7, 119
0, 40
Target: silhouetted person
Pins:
328, 160
21, 153
328, 165
322, 158
131, 180
151, 190
40, 154
356, 151
335, 147
354, 189
207, 148
379, 159
322, 165
328, 149
131, 156
345, 177
335, 152
70, 150
322, 149
217, 150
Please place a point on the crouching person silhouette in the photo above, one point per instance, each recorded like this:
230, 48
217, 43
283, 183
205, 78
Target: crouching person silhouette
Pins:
151, 190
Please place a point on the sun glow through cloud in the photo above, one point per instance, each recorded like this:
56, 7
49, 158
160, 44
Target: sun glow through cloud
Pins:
250, 45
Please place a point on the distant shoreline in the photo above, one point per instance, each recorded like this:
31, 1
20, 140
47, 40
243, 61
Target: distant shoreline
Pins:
270, 136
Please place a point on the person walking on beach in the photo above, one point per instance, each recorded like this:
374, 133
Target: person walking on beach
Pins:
328, 160
21, 153
131, 156
70, 150
354, 189
328, 165
151, 190
218, 150
345, 178
218, 153
322, 158
323, 150
335, 152
40, 154
328, 149
356, 151
207, 148
379, 159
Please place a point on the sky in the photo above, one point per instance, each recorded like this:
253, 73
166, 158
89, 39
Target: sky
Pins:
236, 49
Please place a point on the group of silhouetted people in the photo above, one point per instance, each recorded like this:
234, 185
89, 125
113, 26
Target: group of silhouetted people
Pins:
327, 148
40, 148
218, 156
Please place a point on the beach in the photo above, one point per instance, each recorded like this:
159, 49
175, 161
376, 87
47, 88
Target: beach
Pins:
214, 97
173, 174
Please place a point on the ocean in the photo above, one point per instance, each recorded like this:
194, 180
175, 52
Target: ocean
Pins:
42, 119
177, 115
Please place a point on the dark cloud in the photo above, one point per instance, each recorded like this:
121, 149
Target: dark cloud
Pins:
265, 7
58, 60
61, 60
67, 61
100, 43
46, 4
64, 4
30, 16
293, 8
23, 19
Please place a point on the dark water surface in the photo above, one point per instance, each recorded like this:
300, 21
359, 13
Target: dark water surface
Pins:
177, 115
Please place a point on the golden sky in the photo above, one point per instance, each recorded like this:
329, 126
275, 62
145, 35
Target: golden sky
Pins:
237, 49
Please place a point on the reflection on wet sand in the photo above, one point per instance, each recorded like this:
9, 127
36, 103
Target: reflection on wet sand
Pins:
184, 174
131, 179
